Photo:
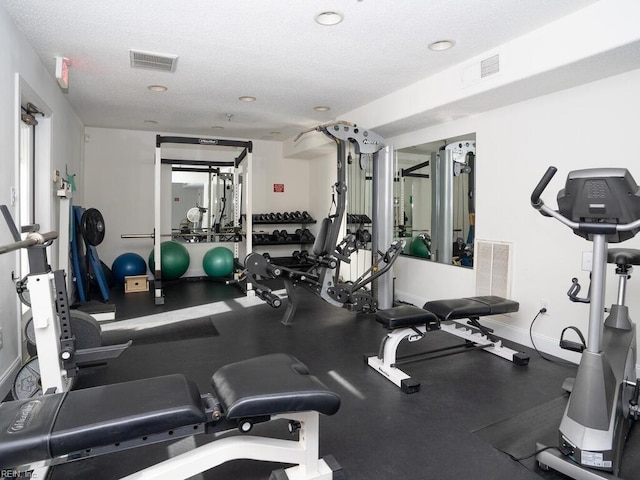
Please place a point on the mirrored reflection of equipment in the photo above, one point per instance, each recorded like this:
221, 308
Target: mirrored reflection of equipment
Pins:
452, 173
601, 205
374, 287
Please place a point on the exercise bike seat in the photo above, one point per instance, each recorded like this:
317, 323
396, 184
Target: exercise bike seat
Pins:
270, 385
623, 256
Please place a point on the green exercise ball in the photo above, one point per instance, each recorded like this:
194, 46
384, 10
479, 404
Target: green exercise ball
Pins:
218, 262
175, 260
419, 247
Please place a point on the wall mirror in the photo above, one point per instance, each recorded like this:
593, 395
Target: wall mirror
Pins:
204, 195
434, 207
202, 203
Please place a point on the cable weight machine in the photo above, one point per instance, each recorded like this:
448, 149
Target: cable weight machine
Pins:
323, 277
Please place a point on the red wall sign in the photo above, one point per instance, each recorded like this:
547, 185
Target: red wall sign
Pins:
278, 187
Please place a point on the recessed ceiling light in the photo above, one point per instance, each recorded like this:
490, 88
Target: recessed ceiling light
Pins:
321, 108
151, 122
441, 45
217, 127
157, 88
247, 98
275, 132
329, 18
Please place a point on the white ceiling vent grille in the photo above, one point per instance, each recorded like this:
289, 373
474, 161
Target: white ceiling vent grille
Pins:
493, 261
153, 61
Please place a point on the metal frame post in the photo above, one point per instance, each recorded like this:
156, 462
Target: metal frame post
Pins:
382, 229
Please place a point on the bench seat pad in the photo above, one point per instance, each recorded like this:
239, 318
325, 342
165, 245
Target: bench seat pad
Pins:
457, 308
270, 385
405, 316
54, 425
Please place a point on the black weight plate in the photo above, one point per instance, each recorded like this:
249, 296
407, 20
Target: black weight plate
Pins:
92, 226
27, 383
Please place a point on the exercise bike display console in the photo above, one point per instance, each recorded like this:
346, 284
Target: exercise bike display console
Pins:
601, 205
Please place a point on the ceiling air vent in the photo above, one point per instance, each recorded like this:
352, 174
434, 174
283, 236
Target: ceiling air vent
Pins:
153, 61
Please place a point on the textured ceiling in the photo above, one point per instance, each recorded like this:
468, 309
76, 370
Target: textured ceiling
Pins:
272, 50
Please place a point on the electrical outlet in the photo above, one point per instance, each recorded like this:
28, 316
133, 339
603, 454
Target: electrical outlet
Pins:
587, 261
545, 303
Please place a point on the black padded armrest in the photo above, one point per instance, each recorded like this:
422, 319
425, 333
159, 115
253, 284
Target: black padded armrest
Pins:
482, 306
25, 426
270, 385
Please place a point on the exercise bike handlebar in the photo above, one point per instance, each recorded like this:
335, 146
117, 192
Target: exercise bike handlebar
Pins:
538, 204
536, 201
32, 239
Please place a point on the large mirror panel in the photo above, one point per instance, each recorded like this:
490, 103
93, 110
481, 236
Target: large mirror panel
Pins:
205, 192
434, 204
202, 203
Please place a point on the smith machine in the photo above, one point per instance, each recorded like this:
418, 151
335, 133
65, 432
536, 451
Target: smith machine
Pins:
323, 276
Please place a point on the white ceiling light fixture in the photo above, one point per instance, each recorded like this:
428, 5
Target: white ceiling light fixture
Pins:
329, 18
321, 108
247, 98
441, 45
151, 122
157, 88
217, 127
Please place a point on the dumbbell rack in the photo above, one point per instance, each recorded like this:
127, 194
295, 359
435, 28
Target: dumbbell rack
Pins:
301, 236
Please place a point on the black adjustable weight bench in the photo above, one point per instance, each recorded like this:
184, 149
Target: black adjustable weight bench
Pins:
77, 424
412, 323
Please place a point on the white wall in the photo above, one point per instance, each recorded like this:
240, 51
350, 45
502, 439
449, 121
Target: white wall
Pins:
119, 176
593, 125
22, 74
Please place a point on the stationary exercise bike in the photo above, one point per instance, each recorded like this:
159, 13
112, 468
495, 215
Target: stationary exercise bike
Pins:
603, 206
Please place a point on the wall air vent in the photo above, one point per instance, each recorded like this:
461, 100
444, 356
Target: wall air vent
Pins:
490, 66
492, 262
153, 61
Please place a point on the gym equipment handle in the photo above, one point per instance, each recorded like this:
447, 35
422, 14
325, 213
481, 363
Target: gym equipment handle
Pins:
31, 240
542, 184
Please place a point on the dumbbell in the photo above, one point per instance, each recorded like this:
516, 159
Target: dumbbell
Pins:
363, 235
305, 216
296, 255
286, 216
306, 235
297, 216
279, 217
275, 235
266, 255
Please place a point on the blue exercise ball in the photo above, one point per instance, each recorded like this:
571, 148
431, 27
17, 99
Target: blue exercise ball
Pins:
126, 265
